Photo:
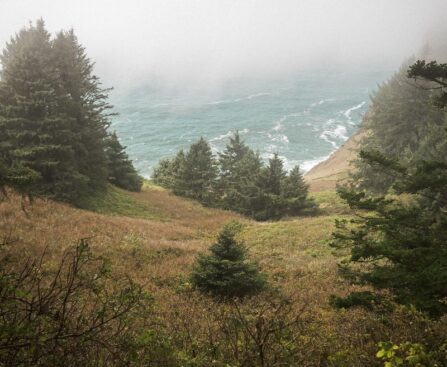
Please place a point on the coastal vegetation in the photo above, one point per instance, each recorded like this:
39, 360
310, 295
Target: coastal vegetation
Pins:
54, 120
175, 271
237, 180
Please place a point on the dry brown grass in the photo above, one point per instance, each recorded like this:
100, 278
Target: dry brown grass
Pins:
159, 253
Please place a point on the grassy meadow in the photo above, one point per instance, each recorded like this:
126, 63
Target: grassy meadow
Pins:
154, 237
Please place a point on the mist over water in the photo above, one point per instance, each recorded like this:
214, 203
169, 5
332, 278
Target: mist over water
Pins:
293, 76
304, 119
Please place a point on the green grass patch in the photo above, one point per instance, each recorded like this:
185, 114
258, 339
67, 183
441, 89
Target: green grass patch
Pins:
329, 202
302, 235
149, 185
115, 201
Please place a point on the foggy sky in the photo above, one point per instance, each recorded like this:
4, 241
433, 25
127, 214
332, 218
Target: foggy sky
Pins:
209, 41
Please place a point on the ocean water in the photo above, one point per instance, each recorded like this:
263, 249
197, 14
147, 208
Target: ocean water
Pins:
304, 119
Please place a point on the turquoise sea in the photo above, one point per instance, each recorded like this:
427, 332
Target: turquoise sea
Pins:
304, 118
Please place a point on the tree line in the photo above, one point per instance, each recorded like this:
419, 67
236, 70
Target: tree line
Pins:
236, 180
55, 119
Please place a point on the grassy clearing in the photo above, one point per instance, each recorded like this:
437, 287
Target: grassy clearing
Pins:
115, 201
329, 202
154, 237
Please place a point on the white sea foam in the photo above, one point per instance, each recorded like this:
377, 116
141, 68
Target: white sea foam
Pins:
222, 136
290, 164
280, 138
306, 166
228, 134
278, 124
256, 95
319, 103
334, 135
236, 100
348, 112
219, 102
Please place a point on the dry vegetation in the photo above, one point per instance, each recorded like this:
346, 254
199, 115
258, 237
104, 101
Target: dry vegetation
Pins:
154, 237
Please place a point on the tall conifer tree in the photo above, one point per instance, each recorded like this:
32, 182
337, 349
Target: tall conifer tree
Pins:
85, 103
35, 133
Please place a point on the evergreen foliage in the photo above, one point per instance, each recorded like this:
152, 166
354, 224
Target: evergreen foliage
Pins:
434, 72
240, 169
398, 242
401, 123
35, 134
196, 173
294, 191
53, 117
120, 168
85, 104
226, 273
238, 180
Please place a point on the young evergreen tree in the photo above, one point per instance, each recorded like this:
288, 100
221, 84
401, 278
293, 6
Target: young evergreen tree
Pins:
400, 242
121, 170
163, 173
238, 184
196, 174
271, 203
273, 175
234, 152
35, 134
226, 273
294, 192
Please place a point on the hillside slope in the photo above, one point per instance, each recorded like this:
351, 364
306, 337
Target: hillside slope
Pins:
324, 176
154, 237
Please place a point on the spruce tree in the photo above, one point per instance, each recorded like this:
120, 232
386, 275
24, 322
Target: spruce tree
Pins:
232, 155
196, 173
121, 171
238, 184
400, 117
270, 202
35, 133
226, 273
53, 116
85, 104
163, 173
294, 191
399, 243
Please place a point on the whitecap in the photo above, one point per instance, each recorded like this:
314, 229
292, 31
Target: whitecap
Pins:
348, 112
306, 166
229, 134
335, 135
219, 102
256, 95
222, 136
240, 99
319, 103
278, 124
